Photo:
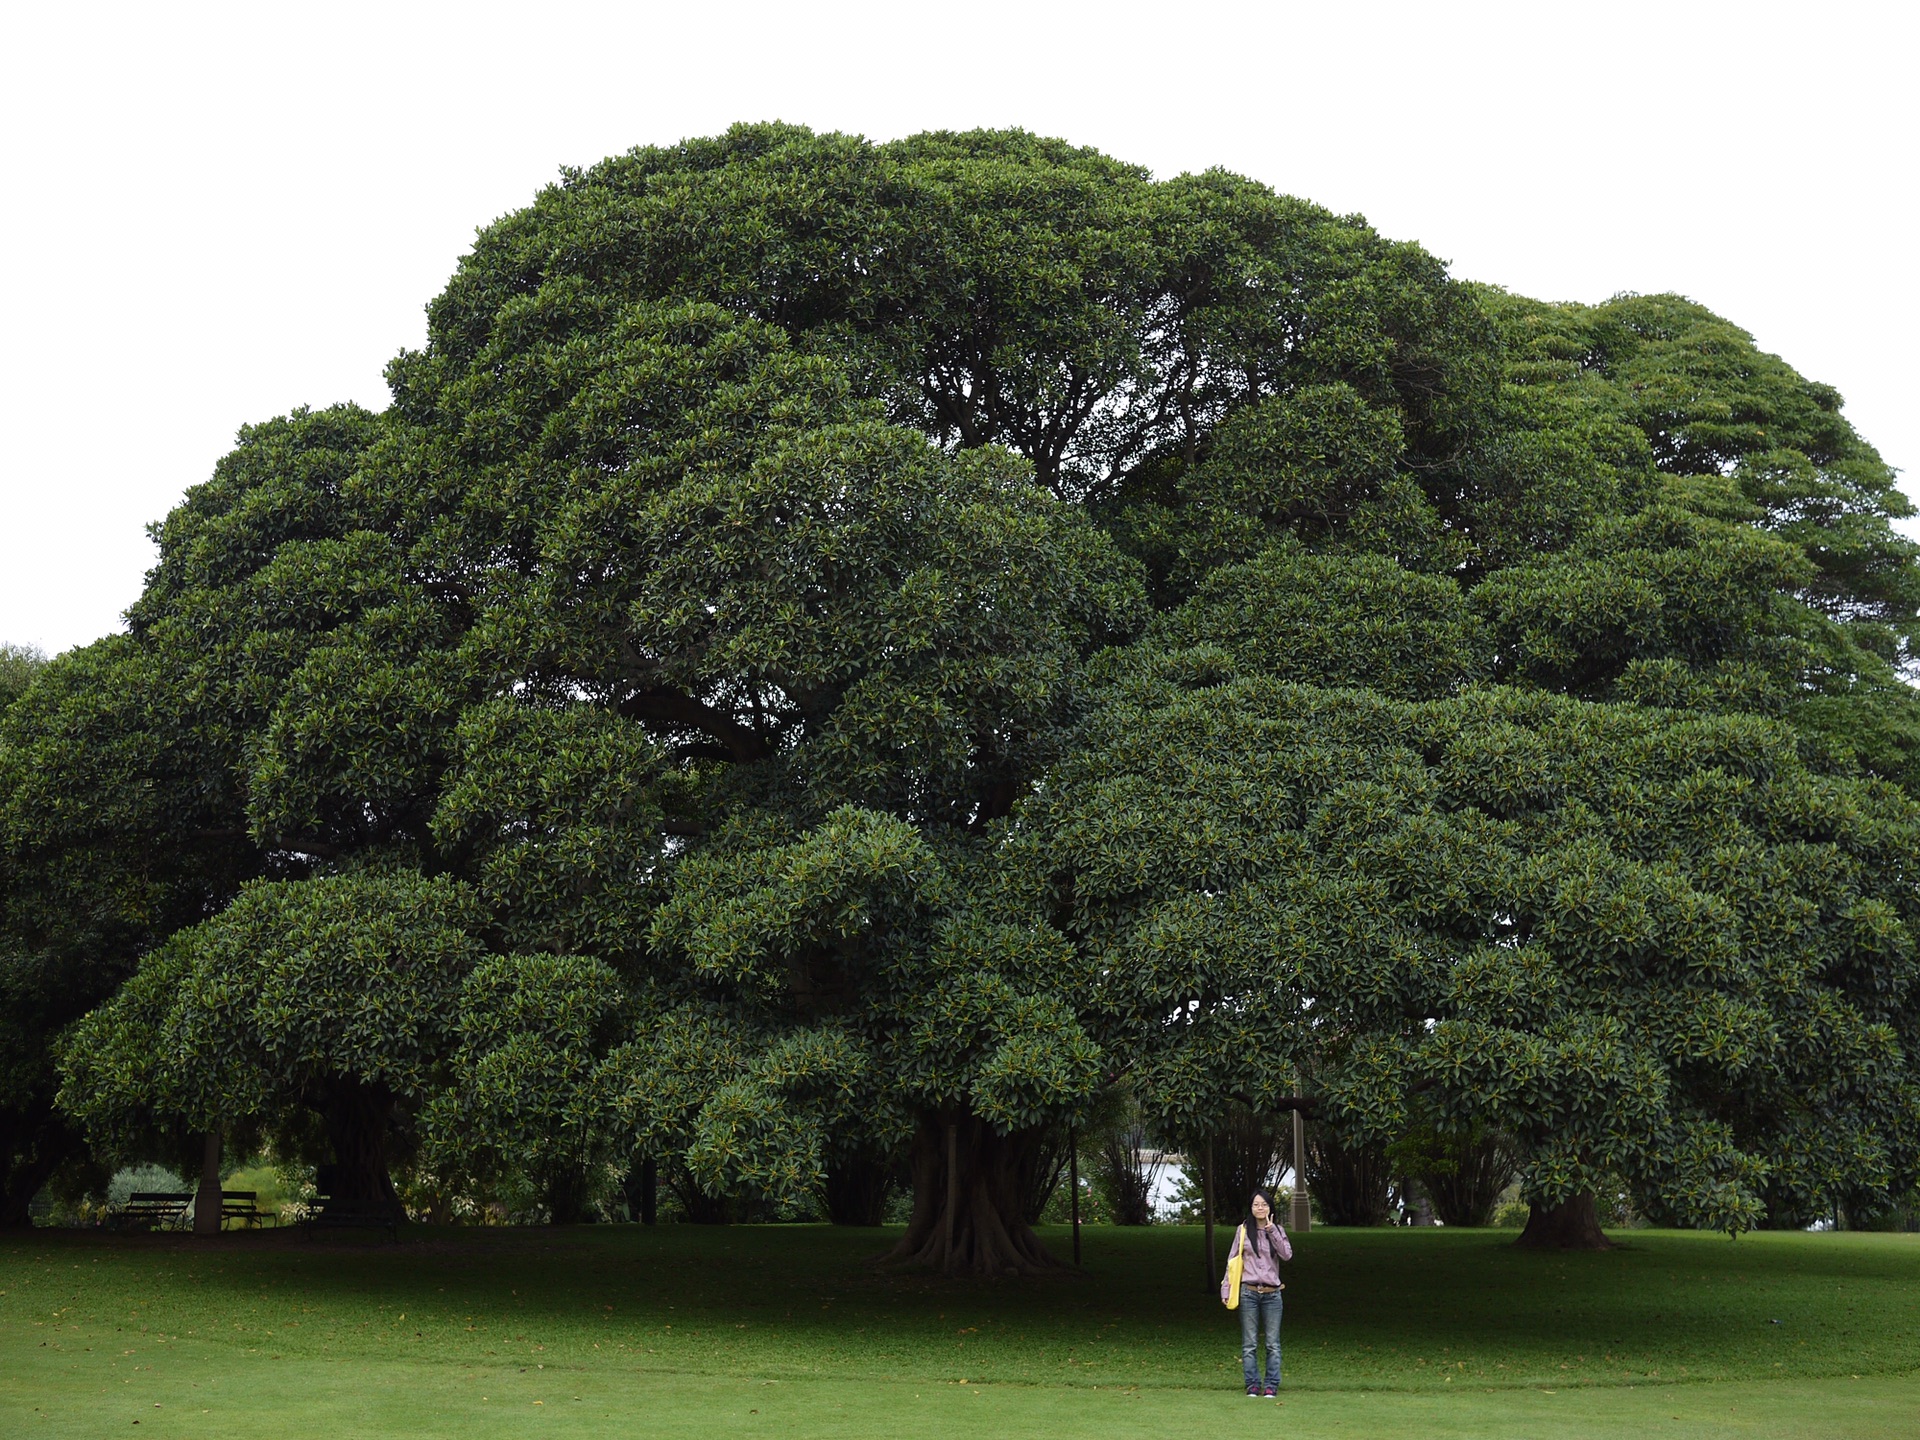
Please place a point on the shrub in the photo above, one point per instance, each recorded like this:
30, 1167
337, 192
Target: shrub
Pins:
1511, 1215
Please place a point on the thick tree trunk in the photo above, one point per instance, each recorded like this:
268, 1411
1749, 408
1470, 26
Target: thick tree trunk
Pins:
356, 1119
641, 1190
566, 1197
207, 1199
1571, 1225
967, 1216
16, 1207
697, 1205
857, 1190
1420, 1203
32, 1146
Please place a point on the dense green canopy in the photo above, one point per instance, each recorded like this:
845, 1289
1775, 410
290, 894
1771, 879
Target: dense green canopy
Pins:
838, 655
1646, 945
331, 1000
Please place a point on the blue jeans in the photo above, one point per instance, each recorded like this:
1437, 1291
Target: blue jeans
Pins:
1256, 1309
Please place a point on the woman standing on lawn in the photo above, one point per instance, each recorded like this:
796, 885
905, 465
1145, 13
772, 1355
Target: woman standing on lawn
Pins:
1259, 1245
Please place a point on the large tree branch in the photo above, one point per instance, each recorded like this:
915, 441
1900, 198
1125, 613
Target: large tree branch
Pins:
996, 803
671, 707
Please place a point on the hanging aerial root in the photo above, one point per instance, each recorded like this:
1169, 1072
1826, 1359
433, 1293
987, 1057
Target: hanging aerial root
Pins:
981, 1230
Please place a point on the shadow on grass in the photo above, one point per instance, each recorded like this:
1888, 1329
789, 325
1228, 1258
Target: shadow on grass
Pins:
1385, 1310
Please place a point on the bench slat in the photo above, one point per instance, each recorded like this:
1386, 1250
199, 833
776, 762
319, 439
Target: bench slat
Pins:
152, 1209
242, 1205
331, 1214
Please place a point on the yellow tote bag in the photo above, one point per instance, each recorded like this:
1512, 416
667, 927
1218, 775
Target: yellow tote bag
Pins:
1235, 1264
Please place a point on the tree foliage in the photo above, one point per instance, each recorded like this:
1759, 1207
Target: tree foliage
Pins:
1647, 945
334, 999
840, 658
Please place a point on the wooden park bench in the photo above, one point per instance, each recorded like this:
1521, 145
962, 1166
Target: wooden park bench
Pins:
154, 1210
241, 1205
327, 1213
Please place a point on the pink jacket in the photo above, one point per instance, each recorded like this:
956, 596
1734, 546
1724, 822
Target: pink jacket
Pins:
1260, 1265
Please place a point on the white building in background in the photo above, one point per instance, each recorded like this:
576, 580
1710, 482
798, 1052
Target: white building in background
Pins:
1172, 1179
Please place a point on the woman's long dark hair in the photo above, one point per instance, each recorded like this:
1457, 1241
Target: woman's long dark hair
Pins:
1254, 1241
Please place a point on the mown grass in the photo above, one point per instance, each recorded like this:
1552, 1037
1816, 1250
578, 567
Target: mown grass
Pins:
687, 1330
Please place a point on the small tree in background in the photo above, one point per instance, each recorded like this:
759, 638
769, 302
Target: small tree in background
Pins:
18, 665
1126, 1159
1047, 1172
1462, 1172
1351, 1182
331, 1003
1249, 1151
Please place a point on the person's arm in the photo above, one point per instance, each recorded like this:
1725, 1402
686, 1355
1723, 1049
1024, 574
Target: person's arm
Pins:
1286, 1245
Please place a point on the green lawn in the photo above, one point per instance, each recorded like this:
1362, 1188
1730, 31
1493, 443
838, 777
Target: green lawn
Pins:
785, 1330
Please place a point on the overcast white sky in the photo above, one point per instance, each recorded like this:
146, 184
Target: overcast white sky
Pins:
217, 212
